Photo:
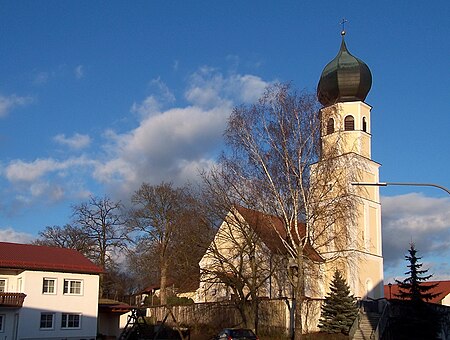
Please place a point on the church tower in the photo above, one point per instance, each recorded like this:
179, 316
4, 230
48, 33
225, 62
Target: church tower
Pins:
346, 135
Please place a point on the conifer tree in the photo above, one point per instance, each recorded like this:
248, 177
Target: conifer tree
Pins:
339, 309
412, 288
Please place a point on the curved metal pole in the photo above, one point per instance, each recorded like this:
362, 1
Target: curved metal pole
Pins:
384, 184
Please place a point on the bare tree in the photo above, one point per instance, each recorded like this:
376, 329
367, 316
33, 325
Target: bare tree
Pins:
67, 236
271, 164
168, 225
143, 265
102, 221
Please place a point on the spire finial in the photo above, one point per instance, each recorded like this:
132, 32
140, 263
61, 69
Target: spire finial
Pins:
343, 26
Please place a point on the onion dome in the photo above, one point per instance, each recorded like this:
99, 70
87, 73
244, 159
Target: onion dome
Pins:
344, 79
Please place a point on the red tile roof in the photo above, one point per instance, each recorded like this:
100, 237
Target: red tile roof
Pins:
112, 306
443, 288
31, 257
267, 226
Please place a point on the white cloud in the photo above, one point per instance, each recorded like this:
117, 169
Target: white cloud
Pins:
20, 171
174, 144
44, 182
157, 149
171, 143
149, 106
10, 235
79, 71
250, 88
209, 88
417, 218
155, 102
45, 188
7, 103
77, 141
24, 171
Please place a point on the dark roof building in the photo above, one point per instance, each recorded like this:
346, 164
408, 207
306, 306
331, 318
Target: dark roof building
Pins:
344, 79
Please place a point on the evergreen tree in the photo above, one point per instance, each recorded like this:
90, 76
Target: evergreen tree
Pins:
412, 288
339, 309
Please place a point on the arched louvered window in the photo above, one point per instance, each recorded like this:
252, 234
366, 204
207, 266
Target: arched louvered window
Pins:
349, 123
330, 126
364, 124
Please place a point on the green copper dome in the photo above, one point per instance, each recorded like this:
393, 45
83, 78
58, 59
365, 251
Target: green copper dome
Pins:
344, 79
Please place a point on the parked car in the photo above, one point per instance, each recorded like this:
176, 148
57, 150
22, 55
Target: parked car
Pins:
236, 334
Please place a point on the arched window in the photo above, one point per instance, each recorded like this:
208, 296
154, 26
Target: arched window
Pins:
330, 126
349, 123
364, 124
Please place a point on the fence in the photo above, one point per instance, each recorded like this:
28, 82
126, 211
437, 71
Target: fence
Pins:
274, 316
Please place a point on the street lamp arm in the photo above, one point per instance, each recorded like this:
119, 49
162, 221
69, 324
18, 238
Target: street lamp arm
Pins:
384, 184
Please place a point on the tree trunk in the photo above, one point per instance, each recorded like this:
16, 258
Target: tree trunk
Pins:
299, 297
298, 327
249, 312
163, 284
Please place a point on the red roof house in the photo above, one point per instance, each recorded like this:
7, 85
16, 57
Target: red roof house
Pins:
28, 256
391, 291
47, 292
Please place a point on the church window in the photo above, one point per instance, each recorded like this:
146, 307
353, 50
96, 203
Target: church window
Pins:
364, 124
349, 123
330, 126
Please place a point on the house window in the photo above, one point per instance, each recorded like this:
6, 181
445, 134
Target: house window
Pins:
47, 320
72, 287
2, 285
349, 123
71, 321
330, 126
49, 286
2, 322
364, 124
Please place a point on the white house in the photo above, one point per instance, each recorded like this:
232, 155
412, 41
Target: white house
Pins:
47, 293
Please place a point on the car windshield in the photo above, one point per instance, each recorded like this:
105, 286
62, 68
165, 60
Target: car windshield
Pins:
241, 332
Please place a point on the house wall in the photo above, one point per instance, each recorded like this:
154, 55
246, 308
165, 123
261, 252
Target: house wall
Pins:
36, 302
446, 300
228, 240
109, 324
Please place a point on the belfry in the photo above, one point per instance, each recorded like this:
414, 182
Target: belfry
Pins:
346, 133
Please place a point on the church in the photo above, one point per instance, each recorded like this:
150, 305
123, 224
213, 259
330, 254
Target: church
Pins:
352, 244
347, 231
346, 132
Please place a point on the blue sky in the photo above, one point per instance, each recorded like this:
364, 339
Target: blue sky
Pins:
97, 97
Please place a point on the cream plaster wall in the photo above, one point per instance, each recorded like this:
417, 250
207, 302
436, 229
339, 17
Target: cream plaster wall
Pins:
36, 302
227, 240
349, 141
446, 300
363, 263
